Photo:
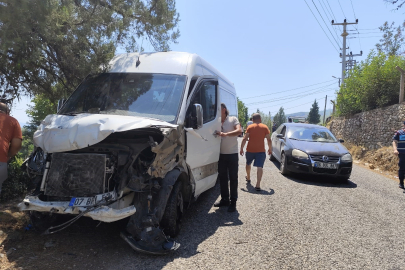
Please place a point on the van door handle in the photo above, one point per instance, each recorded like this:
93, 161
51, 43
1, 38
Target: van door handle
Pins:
215, 133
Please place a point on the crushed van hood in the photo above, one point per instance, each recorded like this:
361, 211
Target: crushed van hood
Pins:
59, 133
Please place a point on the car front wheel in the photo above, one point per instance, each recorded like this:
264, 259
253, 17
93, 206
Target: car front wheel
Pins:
283, 164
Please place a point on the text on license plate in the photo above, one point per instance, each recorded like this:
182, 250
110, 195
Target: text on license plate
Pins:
90, 201
323, 165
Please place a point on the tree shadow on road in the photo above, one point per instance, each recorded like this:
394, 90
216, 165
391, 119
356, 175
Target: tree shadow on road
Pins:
90, 244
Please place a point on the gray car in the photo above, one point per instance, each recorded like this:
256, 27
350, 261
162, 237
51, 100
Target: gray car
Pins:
310, 149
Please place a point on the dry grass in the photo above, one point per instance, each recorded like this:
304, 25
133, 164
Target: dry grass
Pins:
383, 158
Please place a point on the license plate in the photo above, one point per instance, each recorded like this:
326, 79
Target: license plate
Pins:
323, 165
90, 201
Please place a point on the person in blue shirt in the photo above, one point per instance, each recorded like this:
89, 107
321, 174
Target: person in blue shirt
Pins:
398, 143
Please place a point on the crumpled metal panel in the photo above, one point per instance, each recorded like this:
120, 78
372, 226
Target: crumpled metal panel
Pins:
169, 153
61, 133
76, 175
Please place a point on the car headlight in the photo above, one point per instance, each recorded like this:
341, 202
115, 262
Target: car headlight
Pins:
299, 154
347, 158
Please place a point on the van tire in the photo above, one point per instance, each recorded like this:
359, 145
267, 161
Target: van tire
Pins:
171, 220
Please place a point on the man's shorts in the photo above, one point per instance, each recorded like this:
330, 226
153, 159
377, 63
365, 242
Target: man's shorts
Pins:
258, 157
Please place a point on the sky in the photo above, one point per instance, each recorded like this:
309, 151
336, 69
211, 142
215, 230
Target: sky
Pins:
275, 52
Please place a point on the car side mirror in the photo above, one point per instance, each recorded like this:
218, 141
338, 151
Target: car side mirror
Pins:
60, 104
280, 136
341, 141
197, 116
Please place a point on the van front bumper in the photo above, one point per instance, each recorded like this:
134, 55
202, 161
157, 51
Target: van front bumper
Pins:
102, 213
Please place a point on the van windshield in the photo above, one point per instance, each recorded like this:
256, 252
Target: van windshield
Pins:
132, 94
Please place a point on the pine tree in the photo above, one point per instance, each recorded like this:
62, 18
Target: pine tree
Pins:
313, 116
280, 117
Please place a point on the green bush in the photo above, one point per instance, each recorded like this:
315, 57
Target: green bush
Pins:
17, 181
374, 83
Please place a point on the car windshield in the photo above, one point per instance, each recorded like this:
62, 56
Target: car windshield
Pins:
311, 134
131, 94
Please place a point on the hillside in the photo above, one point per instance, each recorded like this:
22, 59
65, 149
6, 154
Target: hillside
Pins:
305, 114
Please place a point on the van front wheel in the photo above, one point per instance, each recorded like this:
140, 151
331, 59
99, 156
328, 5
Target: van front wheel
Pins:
171, 220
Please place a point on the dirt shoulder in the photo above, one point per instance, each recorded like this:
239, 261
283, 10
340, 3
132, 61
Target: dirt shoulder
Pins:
382, 160
23, 248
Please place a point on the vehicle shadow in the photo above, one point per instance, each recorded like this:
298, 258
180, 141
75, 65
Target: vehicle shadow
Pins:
317, 180
91, 244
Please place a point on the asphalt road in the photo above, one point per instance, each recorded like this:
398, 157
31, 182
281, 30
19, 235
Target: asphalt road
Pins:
295, 223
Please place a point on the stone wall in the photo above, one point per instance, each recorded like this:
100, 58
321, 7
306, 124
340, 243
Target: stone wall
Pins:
372, 129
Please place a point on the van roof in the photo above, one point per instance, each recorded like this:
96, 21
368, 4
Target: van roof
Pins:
179, 63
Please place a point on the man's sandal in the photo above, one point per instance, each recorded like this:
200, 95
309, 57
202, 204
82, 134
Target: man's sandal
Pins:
258, 189
247, 180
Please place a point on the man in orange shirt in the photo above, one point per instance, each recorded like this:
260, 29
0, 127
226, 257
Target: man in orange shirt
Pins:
10, 140
255, 150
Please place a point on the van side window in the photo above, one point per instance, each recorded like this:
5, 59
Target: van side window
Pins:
206, 95
230, 102
192, 83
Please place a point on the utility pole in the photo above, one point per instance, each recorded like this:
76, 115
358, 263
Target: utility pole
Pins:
344, 35
324, 111
351, 63
401, 86
333, 110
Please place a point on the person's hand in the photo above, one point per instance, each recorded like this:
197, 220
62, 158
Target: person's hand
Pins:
222, 134
241, 152
396, 152
269, 152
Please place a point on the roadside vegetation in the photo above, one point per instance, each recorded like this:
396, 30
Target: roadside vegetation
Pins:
382, 160
375, 82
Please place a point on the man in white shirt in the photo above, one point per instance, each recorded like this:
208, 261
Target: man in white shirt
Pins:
228, 160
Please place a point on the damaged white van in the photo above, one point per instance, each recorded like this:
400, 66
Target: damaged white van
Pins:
137, 141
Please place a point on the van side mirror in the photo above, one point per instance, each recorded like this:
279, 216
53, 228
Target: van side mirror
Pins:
341, 141
60, 104
280, 136
197, 116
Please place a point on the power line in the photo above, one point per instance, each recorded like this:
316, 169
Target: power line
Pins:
367, 29
353, 9
321, 27
288, 97
304, 103
325, 23
328, 10
341, 9
331, 9
293, 106
290, 89
366, 37
370, 33
326, 13
334, 17
358, 35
